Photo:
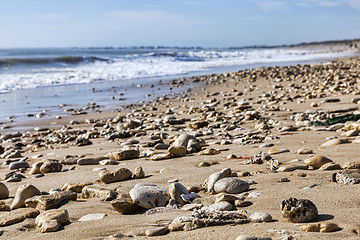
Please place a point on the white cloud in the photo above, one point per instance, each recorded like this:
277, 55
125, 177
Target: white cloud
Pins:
353, 3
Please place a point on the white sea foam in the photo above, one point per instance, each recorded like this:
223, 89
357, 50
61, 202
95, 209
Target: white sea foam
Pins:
135, 66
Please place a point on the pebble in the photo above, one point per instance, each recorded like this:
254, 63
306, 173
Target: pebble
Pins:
92, 217
260, 217
334, 142
213, 178
4, 191
125, 154
221, 206
274, 151
266, 145
117, 175
124, 207
51, 166
177, 151
18, 165
159, 231
176, 190
138, 173
304, 151
330, 166
52, 220
250, 237
320, 227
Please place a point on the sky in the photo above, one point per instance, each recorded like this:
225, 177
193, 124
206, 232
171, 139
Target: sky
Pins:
205, 23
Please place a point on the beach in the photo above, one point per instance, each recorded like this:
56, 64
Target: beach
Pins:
265, 124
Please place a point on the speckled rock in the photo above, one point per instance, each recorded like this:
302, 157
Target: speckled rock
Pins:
317, 161
118, 175
24, 192
175, 191
231, 185
149, 195
348, 176
299, 211
4, 191
52, 220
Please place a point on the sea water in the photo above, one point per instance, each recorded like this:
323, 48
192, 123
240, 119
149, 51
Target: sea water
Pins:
35, 80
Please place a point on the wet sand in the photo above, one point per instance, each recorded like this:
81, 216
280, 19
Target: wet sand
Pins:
274, 95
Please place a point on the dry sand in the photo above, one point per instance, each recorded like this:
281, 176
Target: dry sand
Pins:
336, 203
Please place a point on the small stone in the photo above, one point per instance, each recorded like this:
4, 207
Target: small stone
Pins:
52, 220
298, 211
334, 142
4, 191
118, 175
317, 161
35, 168
250, 237
204, 164
351, 133
138, 173
51, 166
177, 151
124, 207
160, 156
213, 178
161, 146
330, 166
241, 203
183, 139
320, 227
159, 231
266, 145
312, 227
124, 154
304, 151
231, 185
24, 192
209, 151
274, 151
260, 217
191, 206
92, 217
17, 215
109, 162
18, 165
226, 197
94, 191
221, 206
351, 165
176, 190
89, 161
284, 179
75, 187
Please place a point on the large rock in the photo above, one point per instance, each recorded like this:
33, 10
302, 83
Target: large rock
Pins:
51, 166
4, 191
46, 202
149, 195
24, 192
52, 220
213, 178
176, 190
118, 175
231, 185
317, 161
299, 211
17, 215
125, 154
94, 191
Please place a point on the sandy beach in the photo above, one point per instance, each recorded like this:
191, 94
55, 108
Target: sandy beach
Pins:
269, 126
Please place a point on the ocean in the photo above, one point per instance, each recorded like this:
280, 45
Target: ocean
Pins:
40, 79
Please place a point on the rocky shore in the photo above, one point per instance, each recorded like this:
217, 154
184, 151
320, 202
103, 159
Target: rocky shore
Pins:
269, 153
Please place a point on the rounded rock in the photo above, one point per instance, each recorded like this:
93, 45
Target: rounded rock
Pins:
24, 192
260, 217
176, 190
231, 185
51, 166
4, 191
149, 195
317, 161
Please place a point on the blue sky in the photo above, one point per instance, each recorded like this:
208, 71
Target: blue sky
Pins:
210, 23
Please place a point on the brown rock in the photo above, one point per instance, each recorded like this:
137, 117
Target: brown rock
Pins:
46, 202
51, 166
94, 191
75, 187
297, 211
17, 215
274, 151
334, 142
138, 173
352, 165
177, 151
304, 151
24, 192
317, 161
118, 175
124, 207
4, 191
35, 168
209, 151
330, 166
124, 154
52, 220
